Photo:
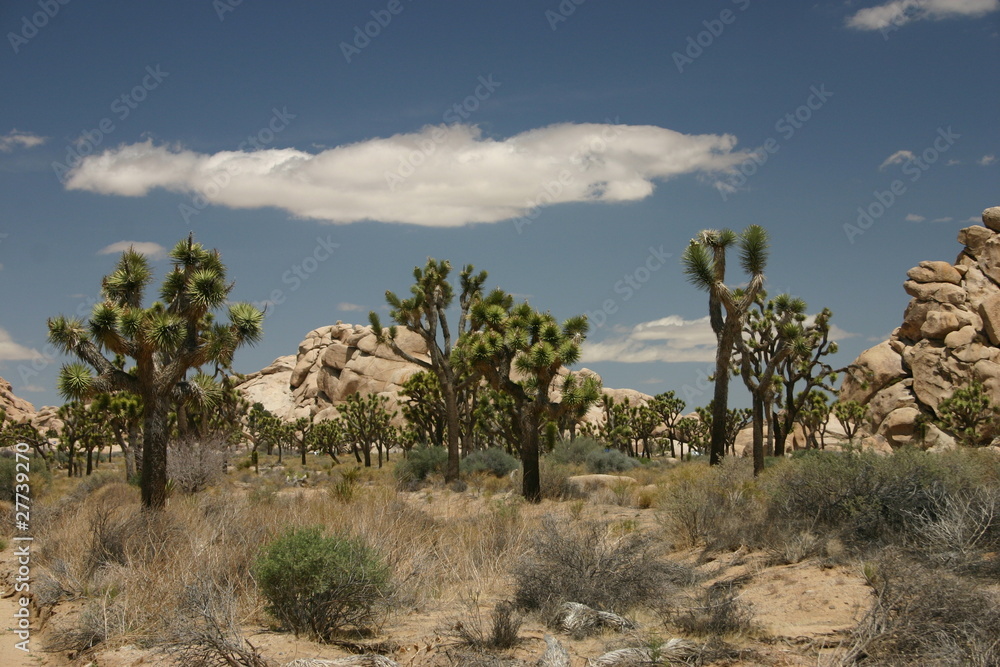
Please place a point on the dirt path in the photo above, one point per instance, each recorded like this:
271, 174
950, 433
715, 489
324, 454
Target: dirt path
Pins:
10, 655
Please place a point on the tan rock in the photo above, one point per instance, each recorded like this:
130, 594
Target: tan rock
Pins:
974, 238
939, 292
873, 370
876, 443
934, 272
348, 383
914, 317
16, 408
303, 365
271, 387
978, 287
962, 337
337, 354
991, 218
989, 258
939, 323
936, 440
899, 427
989, 310
936, 373
893, 397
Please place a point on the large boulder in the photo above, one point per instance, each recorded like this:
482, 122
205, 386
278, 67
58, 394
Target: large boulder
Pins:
874, 369
16, 408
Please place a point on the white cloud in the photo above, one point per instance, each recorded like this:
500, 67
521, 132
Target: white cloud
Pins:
349, 307
899, 157
15, 139
670, 339
441, 176
11, 351
897, 13
987, 160
975, 219
913, 217
147, 248
32, 388
952, 163
946, 219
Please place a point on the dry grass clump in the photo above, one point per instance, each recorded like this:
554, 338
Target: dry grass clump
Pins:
589, 563
717, 611
924, 616
472, 632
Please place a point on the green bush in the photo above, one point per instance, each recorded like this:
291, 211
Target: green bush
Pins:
611, 460
419, 463
323, 585
575, 452
39, 476
494, 461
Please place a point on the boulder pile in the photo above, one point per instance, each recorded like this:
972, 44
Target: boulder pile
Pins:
949, 337
336, 361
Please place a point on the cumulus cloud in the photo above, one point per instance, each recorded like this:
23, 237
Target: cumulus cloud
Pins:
670, 339
897, 13
11, 351
17, 139
349, 307
945, 219
441, 176
147, 248
987, 160
913, 217
899, 157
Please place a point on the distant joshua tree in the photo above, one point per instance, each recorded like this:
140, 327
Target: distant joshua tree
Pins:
165, 340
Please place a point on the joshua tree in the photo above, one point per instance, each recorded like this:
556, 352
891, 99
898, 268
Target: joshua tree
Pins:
970, 415
772, 332
669, 408
165, 340
520, 351
705, 265
425, 314
123, 412
367, 423
805, 364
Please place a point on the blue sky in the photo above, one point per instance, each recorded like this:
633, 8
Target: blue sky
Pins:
569, 148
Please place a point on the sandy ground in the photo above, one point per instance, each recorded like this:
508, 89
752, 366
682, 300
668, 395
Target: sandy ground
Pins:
801, 611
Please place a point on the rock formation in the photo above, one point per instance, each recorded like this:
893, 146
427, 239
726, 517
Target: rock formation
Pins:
949, 337
17, 409
336, 361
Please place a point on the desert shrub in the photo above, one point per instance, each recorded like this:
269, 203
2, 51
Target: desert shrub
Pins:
38, 474
323, 585
718, 610
863, 497
194, 465
205, 629
471, 630
93, 483
494, 461
604, 461
574, 452
419, 463
924, 616
586, 563
963, 531
717, 506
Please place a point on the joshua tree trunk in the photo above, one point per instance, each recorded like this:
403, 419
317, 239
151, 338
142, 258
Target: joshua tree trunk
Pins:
720, 407
758, 435
154, 452
531, 483
449, 393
